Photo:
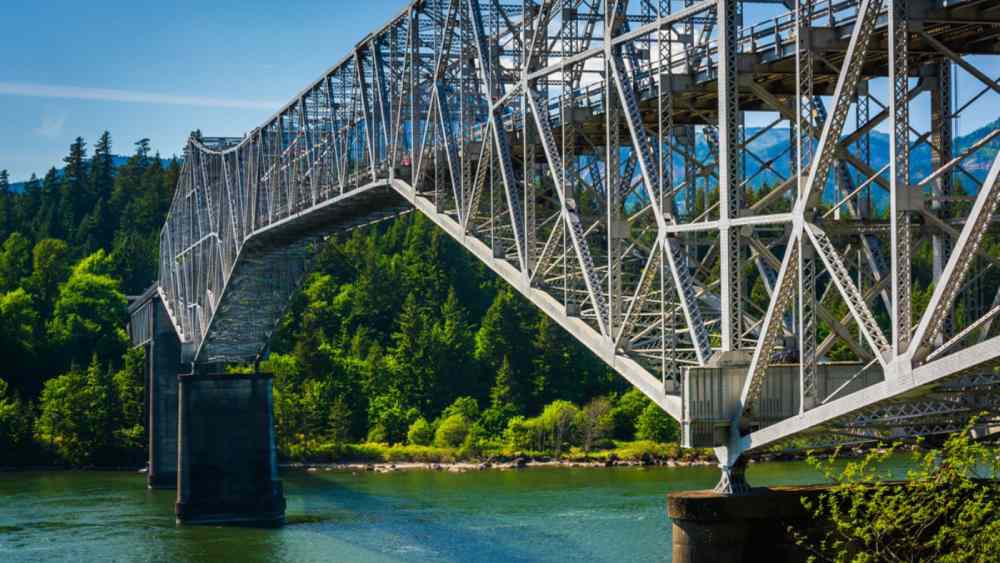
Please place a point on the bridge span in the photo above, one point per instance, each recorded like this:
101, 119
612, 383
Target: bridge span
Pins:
616, 162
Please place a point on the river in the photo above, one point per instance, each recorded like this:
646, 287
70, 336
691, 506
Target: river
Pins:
537, 514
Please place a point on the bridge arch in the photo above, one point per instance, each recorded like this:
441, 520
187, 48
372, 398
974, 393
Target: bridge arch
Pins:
595, 156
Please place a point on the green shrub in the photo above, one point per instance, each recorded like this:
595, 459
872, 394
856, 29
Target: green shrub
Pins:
465, 406
495, 418
655, 424
391, 418
362, 452
558, 424
521, 434
640, 449
421, 433
378, 435
417, 454
946, 510
451, 432
476, 442
625, 414
594, 423
16, 419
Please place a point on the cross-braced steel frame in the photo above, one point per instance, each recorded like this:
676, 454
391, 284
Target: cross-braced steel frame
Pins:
597, 155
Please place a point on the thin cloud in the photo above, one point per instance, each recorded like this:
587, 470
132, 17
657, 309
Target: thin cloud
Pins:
127, 96
52, 126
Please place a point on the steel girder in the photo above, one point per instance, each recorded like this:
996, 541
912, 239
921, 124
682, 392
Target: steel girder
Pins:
594, 153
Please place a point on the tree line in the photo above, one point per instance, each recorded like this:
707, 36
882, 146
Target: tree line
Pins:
74, 243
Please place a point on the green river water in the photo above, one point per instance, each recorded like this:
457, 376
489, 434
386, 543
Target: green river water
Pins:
537, 514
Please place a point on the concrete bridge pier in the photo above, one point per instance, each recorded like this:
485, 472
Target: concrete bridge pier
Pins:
709, 527
227, 460
163, 360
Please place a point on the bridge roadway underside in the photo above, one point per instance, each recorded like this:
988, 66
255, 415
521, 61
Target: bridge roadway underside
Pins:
273, 262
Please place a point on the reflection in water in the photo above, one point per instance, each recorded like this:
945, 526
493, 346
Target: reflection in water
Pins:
543, 514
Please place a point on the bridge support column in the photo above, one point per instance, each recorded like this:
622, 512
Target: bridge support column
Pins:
228, 471
163, 357
710, 527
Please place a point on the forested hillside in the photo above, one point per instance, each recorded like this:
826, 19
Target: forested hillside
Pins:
74, 243
399, 337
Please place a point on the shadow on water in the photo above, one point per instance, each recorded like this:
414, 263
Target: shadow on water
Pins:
536, 514
418, 515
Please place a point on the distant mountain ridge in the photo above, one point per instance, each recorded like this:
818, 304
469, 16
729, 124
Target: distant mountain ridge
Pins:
117, 161
772, 146
775, 143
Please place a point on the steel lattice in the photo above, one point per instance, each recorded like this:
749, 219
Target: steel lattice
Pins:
596, 155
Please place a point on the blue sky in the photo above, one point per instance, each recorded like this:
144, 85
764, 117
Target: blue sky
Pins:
140, 68
251, 54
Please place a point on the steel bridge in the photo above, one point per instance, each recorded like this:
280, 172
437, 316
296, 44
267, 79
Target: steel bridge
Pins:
604, 158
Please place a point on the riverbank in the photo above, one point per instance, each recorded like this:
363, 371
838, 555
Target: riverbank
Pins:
379, 455
380, 458
383, 458
466, 466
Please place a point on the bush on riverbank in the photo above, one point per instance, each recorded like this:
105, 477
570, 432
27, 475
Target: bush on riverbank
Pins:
633, 451
948, 509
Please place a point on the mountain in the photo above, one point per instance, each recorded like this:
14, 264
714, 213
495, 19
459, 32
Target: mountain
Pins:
772, 146
117, 161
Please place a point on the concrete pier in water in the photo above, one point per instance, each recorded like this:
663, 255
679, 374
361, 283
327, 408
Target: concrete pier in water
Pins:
163, 354
713, 528
228, 471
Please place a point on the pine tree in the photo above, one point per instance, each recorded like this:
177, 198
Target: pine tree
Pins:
103, 231
46, 223
28, 204
453, 349
506, 330
102, 168
74, 189
412, 355
552, 365
142, 153
502, 407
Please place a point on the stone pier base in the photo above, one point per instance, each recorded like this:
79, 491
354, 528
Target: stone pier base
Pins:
227, 462
713, 528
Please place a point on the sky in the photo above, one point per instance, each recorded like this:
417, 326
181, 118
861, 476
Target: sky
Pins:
141, 68
154, 69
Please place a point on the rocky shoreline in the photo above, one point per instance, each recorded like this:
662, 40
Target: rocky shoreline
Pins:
501, 465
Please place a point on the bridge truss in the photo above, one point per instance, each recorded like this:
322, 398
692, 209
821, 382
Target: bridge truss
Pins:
615, 162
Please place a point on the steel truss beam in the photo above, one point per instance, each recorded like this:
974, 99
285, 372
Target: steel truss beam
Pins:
594, 154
